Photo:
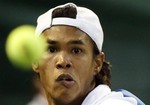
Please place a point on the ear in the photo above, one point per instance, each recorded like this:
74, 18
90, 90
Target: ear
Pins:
35, 67
99, 62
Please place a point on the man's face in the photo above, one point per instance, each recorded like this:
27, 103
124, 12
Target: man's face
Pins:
67, 68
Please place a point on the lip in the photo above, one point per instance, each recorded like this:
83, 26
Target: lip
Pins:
66, 80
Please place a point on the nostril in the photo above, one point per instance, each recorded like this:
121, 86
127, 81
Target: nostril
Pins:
59, 66
68, 65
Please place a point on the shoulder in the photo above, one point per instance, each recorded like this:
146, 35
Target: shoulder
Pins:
116, 101
102, 95
117, 98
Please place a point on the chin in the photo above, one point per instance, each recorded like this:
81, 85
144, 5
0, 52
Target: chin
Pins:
64, 93
66, 99
65, 96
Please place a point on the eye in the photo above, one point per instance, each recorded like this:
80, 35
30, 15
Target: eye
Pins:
76, 50
52, 49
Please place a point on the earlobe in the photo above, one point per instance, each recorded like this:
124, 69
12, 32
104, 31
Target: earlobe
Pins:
35, 67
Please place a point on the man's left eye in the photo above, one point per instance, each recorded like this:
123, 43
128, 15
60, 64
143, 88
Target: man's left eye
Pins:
76, 50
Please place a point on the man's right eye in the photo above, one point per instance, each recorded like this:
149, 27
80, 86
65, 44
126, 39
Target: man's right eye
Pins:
52, 49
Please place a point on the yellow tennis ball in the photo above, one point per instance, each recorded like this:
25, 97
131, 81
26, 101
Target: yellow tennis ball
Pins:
23, 47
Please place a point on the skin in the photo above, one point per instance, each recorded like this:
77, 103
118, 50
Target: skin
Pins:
70, 51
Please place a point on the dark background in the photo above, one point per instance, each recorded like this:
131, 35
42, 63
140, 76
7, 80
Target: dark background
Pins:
126, 25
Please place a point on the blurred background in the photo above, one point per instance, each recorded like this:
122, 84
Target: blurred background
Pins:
126, 25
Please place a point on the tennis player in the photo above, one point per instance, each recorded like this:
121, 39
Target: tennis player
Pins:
73, 69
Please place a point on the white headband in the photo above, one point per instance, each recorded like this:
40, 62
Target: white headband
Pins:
86, 20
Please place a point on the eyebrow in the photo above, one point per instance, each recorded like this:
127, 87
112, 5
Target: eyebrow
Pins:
76, 42
52, 42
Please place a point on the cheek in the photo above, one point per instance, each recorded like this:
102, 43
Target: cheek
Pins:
85, 70
86, 73
46, 68
47, 62
86, 64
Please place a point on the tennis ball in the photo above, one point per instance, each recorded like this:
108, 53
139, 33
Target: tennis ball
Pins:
23, 47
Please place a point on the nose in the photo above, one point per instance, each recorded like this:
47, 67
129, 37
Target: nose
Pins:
63, 62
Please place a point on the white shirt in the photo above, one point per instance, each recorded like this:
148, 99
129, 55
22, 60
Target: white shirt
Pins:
102, 95
38, 99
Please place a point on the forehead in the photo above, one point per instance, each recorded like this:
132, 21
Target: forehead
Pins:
66, 33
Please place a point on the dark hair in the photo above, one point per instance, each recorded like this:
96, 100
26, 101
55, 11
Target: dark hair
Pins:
104, 76
68, 11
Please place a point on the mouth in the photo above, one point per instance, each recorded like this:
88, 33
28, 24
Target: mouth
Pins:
66, 80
